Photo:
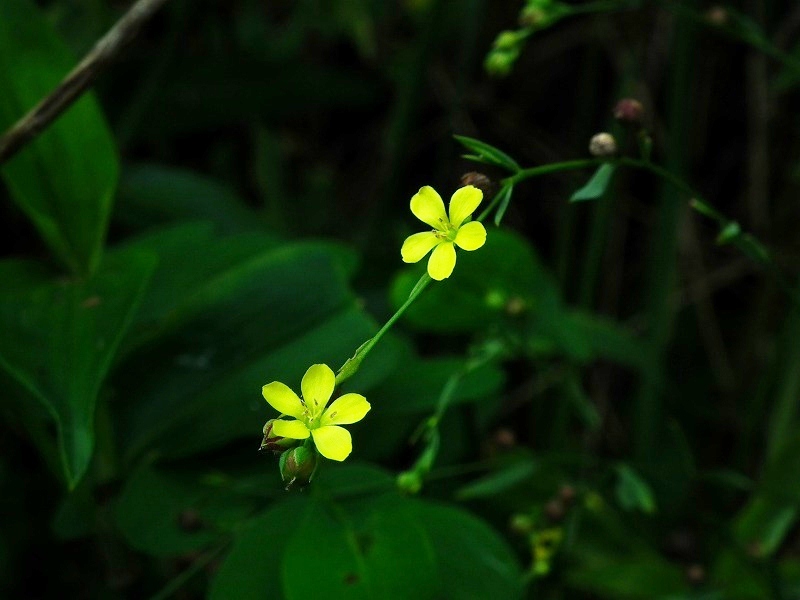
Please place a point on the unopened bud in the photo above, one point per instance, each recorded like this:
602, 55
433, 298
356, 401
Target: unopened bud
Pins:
554, 510
603, 145
717, 15
298, 466
480, 181
521, 524
533, 16
409, 482
505, 438
515, 306
567, 494
275, 443
629, 111
507, 40
695, 574
499, 62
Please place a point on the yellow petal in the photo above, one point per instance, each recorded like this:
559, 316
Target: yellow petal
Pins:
317, 387
333, 442
282, 399
290, 429
463, 204
442, 261
418, 245
350, 408
471, 236
428, 207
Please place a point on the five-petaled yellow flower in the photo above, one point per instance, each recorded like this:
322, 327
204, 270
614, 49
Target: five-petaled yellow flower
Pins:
312, 418
428, 207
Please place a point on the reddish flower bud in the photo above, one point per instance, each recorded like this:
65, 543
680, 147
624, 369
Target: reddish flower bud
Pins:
629, 111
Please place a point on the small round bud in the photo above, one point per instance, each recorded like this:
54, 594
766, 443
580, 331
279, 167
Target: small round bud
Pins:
717, 15
629, 111
567, 494
298, 466
533, 16
554, 510
275, 443
695, 574
189, 521
499, 62
521, 524
480, 181
515, 306
505, 438
603, 145
409, 482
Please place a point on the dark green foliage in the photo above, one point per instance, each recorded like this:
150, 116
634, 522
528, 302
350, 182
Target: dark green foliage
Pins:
602, 402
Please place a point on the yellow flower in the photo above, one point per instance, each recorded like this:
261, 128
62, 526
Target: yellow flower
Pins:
311, 416
447, 232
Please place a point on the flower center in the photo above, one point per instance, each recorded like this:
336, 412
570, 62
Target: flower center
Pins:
447, 233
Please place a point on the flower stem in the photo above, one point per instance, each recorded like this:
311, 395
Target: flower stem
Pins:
352, 364
746, 243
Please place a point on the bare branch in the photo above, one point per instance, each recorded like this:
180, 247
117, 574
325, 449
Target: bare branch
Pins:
78, 80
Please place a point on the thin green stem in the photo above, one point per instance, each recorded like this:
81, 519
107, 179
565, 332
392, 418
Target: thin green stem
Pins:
351, 365
746, 243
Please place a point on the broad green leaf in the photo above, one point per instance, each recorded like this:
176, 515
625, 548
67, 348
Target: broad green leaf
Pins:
597, 184
152, 194
254, 319
253, 569
373, 547
609, 340
71, 330
339, 543
65, 179
489, 286
168, 512
473, 561
487, 154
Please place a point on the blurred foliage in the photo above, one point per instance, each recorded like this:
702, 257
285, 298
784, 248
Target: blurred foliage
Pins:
601, 402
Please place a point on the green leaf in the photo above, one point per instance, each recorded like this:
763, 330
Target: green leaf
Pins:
499, 481
65, 179
168, 512
253, 568
597, 184
504, 276
231, 326
484, 153
71, 330
502, 203
152, 194
633, 492
357, 546
473, 561
730, 232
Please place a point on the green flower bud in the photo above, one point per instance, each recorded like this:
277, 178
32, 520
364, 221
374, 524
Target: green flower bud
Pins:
507, 40
298, 466
499, 62
409, 482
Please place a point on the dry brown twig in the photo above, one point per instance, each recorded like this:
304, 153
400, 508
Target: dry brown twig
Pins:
78, 80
